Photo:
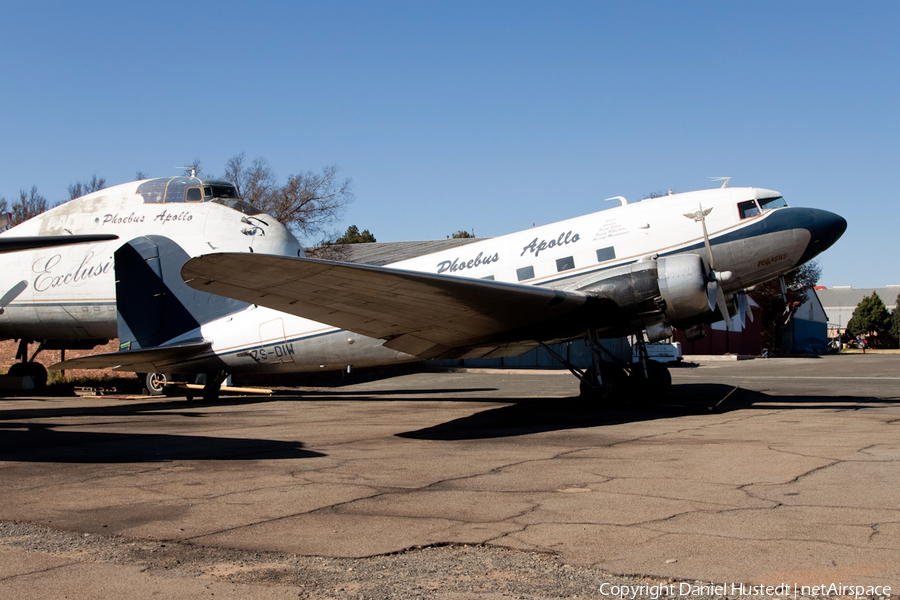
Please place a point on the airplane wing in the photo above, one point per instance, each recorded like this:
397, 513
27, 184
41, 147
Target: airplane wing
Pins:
423, 314
149, 359
32, 242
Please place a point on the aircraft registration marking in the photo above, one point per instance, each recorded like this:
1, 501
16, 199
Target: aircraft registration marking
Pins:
765, 262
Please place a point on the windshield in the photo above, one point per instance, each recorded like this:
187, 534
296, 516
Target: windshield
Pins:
219, 191
239, 205
770, 203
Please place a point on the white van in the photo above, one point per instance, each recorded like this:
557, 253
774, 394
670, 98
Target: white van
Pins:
661, 352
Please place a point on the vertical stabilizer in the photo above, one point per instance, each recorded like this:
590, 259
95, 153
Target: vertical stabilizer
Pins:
153, 304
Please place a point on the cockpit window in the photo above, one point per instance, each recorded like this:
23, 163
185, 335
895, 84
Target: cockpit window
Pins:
219, 191
770, 203
748, 209
185, 189
239, 205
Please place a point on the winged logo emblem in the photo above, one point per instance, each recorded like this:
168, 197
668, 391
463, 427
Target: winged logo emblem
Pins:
698, 215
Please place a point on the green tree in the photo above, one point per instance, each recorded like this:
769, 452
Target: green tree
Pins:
870, 317
353, 236
895, 319
462, 234
771, 302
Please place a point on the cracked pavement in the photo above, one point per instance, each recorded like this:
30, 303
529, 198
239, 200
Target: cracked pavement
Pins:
794, 478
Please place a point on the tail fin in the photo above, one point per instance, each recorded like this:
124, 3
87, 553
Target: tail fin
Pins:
153, 303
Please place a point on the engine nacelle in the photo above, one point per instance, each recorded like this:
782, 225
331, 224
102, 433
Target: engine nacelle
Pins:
683, 285
655, 292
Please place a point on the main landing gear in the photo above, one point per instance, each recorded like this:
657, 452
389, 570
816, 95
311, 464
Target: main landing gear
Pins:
27, 367
612, 381
156, 384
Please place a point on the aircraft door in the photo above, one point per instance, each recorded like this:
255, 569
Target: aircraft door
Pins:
274, 347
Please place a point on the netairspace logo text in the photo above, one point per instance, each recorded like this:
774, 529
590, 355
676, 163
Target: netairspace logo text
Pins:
784, 590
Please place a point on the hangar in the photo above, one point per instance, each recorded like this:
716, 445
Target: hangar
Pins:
841, 300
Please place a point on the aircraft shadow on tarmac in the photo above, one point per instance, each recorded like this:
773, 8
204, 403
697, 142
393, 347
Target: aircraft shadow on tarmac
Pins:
30, 443
23, 440
171, 405
537, 415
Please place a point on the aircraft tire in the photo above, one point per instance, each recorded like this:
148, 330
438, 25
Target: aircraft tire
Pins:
156, 383
656, 386
37, 371
613, 382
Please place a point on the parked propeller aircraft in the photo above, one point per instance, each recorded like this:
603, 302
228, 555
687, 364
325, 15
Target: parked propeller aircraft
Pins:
677, 261
65, 296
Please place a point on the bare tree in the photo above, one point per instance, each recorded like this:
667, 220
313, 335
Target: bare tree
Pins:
78, 189
253, 183
193, 169
4, 211
309, 201
140, 175
775, 308
30, 204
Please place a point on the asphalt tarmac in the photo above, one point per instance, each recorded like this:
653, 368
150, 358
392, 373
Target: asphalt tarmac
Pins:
462, 484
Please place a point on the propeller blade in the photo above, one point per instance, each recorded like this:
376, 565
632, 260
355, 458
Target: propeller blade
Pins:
712, 266
12, 294
723, 307
712, 293
744, 307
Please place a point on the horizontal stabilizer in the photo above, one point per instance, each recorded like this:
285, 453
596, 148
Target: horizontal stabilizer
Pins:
33, 242
154, 359
424, 314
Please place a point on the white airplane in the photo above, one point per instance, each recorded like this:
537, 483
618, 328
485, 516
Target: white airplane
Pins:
64, 296
677, 261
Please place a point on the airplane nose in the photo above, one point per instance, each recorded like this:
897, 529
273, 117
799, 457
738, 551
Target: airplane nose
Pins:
824, 230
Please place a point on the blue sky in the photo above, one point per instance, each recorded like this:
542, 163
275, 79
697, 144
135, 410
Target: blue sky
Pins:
484, 116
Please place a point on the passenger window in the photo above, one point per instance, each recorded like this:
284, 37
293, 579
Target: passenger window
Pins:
748, 209
564, 264
605, 254
193, 195
525, 273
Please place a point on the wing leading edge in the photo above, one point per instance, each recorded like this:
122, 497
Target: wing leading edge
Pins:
33, 242
423, 314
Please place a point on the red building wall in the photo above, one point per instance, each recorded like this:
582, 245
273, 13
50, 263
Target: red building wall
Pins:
722, 341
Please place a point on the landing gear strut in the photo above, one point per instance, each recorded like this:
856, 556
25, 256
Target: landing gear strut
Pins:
611, 380
649, 377
214, 383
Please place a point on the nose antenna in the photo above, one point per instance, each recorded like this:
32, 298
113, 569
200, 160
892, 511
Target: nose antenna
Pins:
724, 181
